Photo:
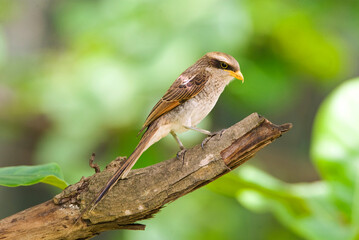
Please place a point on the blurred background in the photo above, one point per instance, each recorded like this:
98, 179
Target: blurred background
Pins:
78, 77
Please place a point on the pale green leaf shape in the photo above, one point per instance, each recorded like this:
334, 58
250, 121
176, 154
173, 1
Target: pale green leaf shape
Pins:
335, 142
327, 209
29, 175
335, 149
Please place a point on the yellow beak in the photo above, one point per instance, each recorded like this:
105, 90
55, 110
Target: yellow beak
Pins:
237, 75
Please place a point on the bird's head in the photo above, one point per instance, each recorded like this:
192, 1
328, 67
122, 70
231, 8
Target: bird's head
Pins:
223, 64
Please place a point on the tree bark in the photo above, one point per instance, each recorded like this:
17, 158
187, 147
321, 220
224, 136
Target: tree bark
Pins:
144, 192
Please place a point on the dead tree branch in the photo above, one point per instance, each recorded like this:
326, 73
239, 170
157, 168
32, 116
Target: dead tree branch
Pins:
144, 192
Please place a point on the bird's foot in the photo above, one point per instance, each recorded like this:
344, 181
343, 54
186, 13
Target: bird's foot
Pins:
204, 142
180, 155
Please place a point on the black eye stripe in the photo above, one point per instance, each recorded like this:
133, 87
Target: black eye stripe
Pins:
216, 63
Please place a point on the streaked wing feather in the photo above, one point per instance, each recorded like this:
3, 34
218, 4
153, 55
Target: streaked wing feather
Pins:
177, 94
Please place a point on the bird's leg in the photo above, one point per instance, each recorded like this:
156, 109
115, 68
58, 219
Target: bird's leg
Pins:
183, 150
208, 133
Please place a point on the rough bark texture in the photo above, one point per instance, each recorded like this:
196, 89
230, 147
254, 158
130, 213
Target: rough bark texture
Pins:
144, 192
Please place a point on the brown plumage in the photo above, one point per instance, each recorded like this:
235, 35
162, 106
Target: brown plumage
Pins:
189, 99
178, 93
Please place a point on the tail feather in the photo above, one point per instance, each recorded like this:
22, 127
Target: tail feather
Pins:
127, 165
122, 172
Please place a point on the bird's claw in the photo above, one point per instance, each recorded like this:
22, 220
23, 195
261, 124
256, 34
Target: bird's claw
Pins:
204, 142
180, 155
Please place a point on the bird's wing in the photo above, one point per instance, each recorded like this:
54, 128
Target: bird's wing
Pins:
184, 88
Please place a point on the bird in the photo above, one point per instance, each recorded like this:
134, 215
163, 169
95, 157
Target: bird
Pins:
188, 100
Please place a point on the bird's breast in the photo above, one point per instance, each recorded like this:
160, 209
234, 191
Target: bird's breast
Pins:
191, 112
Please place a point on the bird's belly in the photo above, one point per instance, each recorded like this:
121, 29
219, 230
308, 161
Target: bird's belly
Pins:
193, 111
199, 110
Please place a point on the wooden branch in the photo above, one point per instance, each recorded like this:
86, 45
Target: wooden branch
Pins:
144, 192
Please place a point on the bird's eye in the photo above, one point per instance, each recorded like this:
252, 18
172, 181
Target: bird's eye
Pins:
224, 65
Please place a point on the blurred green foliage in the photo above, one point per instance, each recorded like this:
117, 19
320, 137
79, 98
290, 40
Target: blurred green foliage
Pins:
78, 77
327, 209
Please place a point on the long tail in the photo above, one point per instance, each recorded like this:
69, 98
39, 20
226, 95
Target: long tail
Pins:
145, 142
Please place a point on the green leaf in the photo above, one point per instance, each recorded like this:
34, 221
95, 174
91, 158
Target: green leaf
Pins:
29, 175
335, 149
327, 209
304, 208
335, 142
